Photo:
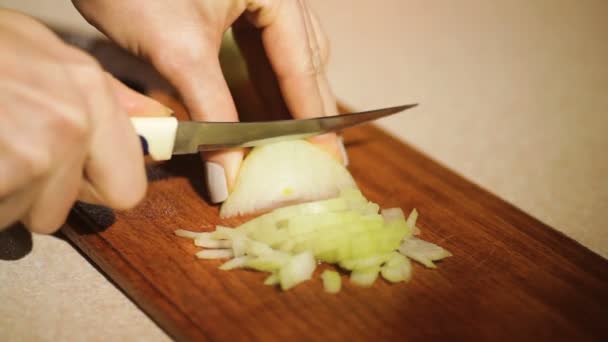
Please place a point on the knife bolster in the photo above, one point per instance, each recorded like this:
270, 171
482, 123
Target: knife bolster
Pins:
157, 135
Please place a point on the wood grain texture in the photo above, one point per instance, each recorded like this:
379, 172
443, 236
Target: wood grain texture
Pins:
511, 277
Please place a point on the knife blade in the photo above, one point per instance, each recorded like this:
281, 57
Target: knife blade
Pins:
163, 137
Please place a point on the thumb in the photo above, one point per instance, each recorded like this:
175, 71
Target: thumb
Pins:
134, 103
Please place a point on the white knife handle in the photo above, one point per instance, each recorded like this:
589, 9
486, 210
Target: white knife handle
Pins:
157, 135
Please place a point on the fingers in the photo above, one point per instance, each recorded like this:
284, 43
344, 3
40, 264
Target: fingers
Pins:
61, 123
229, 162
249, 41
198, 77
15, 173
134, 103
42, 190
55, 197
181, 39
114, 165
14, 206
298, 52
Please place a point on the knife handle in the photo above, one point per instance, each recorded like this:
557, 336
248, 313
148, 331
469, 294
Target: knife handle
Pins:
157, 135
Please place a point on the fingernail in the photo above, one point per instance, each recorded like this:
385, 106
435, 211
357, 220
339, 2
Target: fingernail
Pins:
216, 182
343, 150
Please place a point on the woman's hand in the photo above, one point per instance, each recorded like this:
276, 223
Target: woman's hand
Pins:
64, 131
181, 38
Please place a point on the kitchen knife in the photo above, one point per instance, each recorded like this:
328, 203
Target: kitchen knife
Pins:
163, 137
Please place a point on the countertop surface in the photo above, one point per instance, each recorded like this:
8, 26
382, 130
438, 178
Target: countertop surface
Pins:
513, 96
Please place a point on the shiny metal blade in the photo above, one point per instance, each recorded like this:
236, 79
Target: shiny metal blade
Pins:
204, 136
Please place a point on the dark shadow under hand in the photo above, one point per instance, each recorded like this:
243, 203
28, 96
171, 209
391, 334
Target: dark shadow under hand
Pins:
15, 242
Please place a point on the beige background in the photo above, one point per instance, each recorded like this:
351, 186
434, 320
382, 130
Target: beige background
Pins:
513, 96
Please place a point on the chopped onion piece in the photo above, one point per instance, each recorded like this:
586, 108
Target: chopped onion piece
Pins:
364, 277
237, 262
272, 279
256, 248
208, 242
366, 263
226, 233
422, 251
189, 234
370, 209
398, 268
270, 262
299, 269
239, 245
411, 219
214, 254
392, 214
411, 222
331, 281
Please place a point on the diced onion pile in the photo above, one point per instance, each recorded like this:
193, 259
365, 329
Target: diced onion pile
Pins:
348, 231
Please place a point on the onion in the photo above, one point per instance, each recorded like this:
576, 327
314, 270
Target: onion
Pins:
189, 234
422, 251
272, 279
214, 254
208, 242
392, 214
398, 268
270, 262
371, 262
285, 172
337, 225
237, 262
298, 269
364, 277
331, 281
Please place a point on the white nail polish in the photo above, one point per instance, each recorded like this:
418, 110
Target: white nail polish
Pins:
216, 182
343, 150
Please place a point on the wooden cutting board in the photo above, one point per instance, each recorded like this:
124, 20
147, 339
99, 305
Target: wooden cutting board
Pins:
511, 277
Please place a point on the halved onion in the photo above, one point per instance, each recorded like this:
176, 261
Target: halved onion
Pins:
285, 172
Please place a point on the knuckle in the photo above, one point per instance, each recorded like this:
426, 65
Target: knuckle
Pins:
325, 49
36, 162
71, 125
319, 56
86, 72
178, 55
317, 65
311, 67
89, 78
